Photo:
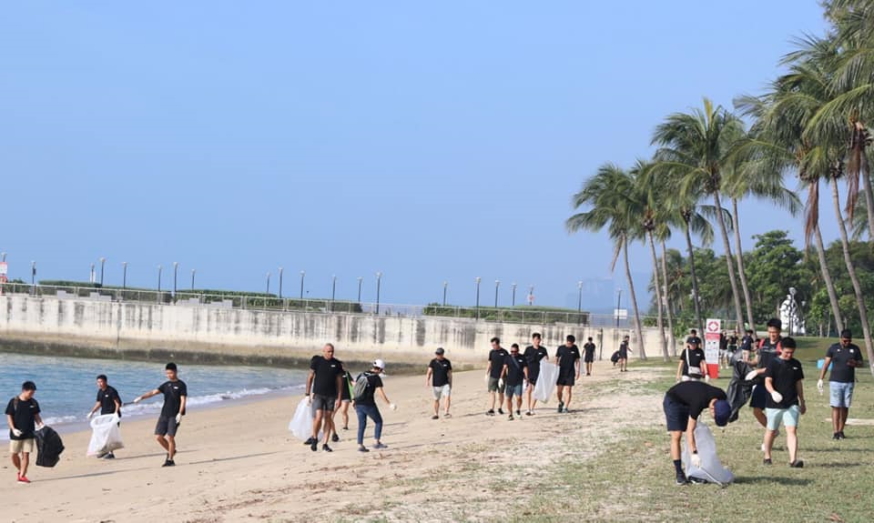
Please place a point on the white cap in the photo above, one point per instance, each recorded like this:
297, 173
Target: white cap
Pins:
379, 364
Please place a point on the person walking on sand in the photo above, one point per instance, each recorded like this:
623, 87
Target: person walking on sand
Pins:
843, 357
175, 393
589, 356
22, 417
515, 374
567, 357
108, 402
683, 404
324, 382
365, 406
783, 381
497, 356
624, 349
534, 354
439, 378
345, 401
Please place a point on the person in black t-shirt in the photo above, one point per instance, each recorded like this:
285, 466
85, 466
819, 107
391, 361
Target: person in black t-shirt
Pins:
567, 357
325, 382
624, 349
515, 374
746, 345
843, 358
365, 406
534, 354
175, 399
767, 352
683, 404
493, 376
785, 403
589, 358
439, 378
108, 402
22, 416
345, 401
692, 366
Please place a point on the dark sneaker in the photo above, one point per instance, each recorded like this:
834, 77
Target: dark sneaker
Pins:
511, 418
335, 438
560, 407
326, 448
309, 441
697, 481
314, 445
841, 435
490, 412
380, 446
435, 416
362, 448
797, 464
766, 461
109, 456
169, 463
681, 479
519, 413
501, 412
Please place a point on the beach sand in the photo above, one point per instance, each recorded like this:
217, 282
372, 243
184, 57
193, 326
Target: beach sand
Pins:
240, 463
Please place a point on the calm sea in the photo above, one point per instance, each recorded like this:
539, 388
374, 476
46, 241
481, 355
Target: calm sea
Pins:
66, 388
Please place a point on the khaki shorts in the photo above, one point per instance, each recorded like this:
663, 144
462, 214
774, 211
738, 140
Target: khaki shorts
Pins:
441, 392
17, 446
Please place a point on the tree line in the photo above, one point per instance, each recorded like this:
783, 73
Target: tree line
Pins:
809, 125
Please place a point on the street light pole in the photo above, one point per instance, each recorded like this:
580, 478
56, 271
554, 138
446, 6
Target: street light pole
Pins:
360, 279
618, 307
514, 295
102, 263
280, 283
302, 274
445, 285
478, 280
175, 274
268, 283
497, 285
791, 309
123, 276
92, 278
378, 284
159, 278
32, 273
2, 256
333, 290
580, 303
193, 272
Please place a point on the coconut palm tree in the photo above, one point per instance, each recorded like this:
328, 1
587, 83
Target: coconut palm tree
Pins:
607, 196
699, 145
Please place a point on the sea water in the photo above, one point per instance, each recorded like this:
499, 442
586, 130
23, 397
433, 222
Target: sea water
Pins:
67, 389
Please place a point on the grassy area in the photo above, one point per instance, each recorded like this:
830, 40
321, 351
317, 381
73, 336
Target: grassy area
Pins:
633, 481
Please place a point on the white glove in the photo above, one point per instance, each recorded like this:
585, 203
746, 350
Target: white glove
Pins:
707, 378
17, 433
819, 387
41, 426
501, 383
393, 407
696, 461
776, 396
751, 375
138, 399
179, 418
88, 416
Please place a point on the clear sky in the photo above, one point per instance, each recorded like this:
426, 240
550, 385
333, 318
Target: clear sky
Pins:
431, 141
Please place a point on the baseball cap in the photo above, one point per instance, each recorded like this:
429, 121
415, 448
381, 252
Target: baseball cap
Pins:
439, 350
722, 411
379, 364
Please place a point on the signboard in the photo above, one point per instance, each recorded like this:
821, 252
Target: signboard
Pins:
3, 268
712, 329
620, 314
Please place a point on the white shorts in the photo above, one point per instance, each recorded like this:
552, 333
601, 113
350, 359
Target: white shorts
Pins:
441, 392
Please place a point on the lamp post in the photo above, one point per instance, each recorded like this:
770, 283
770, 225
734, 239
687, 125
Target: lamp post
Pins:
280, 283
580, 302
102, 263
360, 279
193, 272
2, 256
618, 306
497, 285
123, 276
514, 295
32, 273
445, 285
792, 306
268, 283
378, 283
159, 278
333, 290
478, 280
175, 274
302, 274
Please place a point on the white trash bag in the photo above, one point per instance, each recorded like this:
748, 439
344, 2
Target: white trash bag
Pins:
301, 424
105, 435
546, 381
711, 469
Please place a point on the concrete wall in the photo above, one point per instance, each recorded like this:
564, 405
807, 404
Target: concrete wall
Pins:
198, 333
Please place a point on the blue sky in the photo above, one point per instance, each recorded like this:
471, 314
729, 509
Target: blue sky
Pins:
429, 141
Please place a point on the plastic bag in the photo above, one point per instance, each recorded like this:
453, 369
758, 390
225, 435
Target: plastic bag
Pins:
546, 381
105, 435
711, 469
301, 424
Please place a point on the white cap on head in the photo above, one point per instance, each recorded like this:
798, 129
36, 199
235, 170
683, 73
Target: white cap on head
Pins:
379, 364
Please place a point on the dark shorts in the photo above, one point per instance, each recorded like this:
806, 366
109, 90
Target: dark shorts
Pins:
589, 359
566, 380
759, 397
623, 355
323, 403
533, 375
166, 426
676, 415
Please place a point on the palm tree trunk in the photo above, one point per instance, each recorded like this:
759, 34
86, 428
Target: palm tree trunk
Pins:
727, 246
827, 278
660, 323
741, 270
869, 200
696, 298
851, 270
637, 325
671, 340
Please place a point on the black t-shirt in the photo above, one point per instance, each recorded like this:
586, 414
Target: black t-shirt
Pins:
23, 417
696, 395
534, 356
590, 350
515, 364
567, 357
840, 355
785, 374
325, 381
695, 359
732, 343
496, 358
373, 382
344, 388
623, 349
440, 370
173, 392
768, 352
107, 399
747, 343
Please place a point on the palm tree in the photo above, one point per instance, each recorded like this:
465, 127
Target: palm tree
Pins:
698, 145
607, 196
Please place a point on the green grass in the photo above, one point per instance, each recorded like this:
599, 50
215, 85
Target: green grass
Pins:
633, 480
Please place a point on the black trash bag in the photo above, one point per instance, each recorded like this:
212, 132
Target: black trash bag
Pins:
739, 390
49, 447
615, 357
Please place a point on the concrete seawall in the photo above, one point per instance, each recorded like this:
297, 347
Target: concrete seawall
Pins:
138, 330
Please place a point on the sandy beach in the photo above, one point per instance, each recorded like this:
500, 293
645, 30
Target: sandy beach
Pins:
240, 463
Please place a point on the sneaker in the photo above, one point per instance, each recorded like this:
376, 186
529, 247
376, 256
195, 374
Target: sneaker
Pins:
837, 436
326, 448
109, 456
697, 481
490, 412
797, 464
766, 461
102, 455
335, 438
447, 415
346, 428
529, 413
23, 479
435, 416
681, 479
169, 463
560, 407
519, 413
588, 374
314, 445
511, 418
501, 411
380, 446
362, 448
309, 441
841, 435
